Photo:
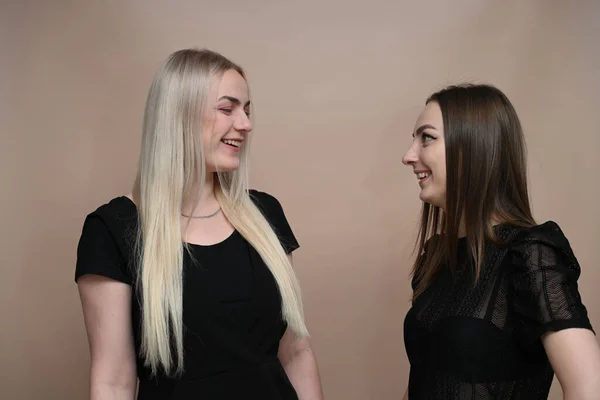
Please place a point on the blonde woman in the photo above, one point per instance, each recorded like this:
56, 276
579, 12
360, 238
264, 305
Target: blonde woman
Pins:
187, 283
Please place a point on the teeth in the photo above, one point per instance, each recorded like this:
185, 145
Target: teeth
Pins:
232, 142
422, 175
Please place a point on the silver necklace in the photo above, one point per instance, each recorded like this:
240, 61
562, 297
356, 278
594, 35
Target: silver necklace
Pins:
202, 216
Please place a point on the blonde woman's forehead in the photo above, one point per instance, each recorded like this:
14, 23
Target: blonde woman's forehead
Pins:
231, 84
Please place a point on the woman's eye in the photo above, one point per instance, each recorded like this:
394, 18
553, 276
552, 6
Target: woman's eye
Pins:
226, 110
426, 138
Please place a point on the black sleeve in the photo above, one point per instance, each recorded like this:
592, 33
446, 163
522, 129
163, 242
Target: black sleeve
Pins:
545, 292
273, 212
98, 253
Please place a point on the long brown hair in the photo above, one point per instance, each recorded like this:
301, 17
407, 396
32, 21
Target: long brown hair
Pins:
486, 179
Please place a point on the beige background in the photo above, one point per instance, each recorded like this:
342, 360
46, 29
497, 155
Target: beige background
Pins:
337, 86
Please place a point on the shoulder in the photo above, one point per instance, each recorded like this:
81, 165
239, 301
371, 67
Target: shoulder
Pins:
106, 240
268, 204
548, 234
272, 210
264, 199
116, 219
119, 208
120, 213
542, 246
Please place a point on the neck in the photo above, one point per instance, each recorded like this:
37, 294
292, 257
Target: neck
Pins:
207, 202
462, 230
208, 189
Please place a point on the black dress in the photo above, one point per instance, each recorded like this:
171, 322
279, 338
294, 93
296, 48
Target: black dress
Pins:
231, 307
484, 341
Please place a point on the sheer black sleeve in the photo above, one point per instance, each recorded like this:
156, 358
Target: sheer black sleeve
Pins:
545, 293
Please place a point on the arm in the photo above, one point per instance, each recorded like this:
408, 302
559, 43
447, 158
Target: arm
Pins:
405, 397
549, 308
575, 357
300, 365
107, 313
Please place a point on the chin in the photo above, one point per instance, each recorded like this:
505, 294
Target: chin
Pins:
431, 200
227, 167
223, 164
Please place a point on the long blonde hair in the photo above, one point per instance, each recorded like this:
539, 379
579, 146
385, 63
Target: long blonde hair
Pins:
171, 158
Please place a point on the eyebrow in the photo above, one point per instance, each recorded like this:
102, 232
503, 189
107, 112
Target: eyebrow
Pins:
422, 128
234, 100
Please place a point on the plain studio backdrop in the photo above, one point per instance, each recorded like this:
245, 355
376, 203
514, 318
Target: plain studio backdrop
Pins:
337, 86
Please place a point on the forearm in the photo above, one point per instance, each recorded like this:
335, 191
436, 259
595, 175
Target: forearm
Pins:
587, 387
582, 393
303, 372
575, 396
121, 386
103, 391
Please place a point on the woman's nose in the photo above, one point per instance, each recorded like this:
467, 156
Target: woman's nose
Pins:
410, 156
243, 123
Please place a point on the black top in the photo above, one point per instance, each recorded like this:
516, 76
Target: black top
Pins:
231, 307
483, 341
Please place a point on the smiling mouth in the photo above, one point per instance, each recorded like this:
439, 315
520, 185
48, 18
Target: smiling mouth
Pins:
421, 176
232, 143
